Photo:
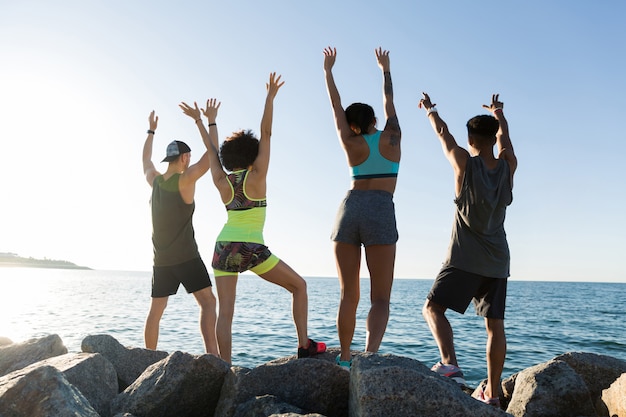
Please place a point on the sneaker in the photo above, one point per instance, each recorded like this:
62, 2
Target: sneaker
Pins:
480, 396
313, 348
344, 364
451, 371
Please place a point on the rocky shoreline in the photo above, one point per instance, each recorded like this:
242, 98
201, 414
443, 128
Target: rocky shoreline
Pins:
39, 377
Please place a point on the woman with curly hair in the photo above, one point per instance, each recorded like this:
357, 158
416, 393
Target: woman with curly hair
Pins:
240, 245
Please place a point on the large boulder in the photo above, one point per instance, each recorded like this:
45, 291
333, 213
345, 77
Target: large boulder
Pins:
4, 341
19, 355
180, 385
550, 389
314, 385
129, 363
389, 385
614, 397
91, 373
598, 371
41, 391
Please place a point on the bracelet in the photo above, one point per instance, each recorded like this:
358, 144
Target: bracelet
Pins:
150, 132
212, 124
497, 108
433, 109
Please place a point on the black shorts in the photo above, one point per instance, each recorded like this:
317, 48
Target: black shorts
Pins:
454, 289
192, 274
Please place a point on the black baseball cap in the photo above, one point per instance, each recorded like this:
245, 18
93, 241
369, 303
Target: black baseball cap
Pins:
175, 149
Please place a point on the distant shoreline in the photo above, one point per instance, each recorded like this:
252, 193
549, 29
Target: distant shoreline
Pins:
9, 260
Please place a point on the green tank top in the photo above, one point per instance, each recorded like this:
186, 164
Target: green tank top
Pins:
173, 237
246, 216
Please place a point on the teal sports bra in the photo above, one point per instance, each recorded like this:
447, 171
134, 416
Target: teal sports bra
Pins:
376, 165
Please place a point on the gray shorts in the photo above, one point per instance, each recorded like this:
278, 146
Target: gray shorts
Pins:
454, 289
366, 217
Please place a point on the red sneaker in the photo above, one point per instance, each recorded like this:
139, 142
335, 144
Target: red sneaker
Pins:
313, 348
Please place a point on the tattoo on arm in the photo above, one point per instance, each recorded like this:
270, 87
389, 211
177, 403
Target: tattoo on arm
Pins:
388, 86
394, 126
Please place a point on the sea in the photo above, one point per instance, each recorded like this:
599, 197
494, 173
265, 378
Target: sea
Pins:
543, 319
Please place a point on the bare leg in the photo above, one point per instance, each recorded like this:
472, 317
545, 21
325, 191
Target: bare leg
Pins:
283, 275
434, 314
380, 262
151, 329
206, 301
226, 293
496, 353
348, 260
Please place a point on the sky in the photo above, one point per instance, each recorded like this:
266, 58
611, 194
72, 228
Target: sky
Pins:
78, 80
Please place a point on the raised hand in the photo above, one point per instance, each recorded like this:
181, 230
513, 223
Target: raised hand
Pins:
273, 85
330, 54
193, 112
496, 104
153, 121
425, 102
382, 56
210, 111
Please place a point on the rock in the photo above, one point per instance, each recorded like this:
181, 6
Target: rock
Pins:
91, 373
41, 391
598, 371
4, 341
19, 355
389, 385
265, 405
550, 389
129, 363
180, 385
315, 385
614, 397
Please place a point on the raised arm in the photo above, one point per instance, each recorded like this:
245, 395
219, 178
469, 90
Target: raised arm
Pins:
343, 128
149, 169
503, 140
210, 137
391, 119
195, 171
456, 155
261, 163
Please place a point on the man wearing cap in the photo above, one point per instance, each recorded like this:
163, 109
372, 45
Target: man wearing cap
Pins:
176, 256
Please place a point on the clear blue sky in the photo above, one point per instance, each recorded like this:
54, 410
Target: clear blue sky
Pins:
78, 80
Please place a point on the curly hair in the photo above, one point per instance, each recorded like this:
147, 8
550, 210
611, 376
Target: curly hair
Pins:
483, 128
360, 115
239, 150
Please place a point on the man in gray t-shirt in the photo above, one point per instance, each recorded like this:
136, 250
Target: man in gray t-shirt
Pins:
477, 265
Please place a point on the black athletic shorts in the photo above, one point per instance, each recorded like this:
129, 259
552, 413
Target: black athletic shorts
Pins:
454, 289
192, 274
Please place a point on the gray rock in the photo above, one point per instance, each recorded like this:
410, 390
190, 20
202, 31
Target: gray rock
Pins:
315, 385
19, 355
389, 385
41, 391
180, 385
598, 371
296, 415
550, 389
265, 405
614, 397
91, 373
129, 363
4, 341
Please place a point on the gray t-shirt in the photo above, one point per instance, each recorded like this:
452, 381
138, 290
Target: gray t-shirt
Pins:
478, 243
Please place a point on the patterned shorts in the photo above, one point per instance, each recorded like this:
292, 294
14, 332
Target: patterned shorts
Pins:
230, 258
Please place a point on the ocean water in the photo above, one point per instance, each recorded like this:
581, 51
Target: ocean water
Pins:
543, 319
